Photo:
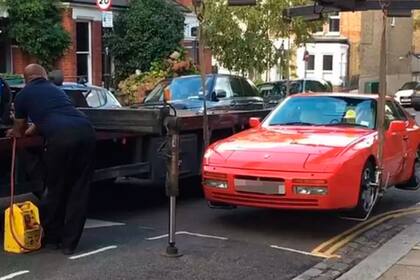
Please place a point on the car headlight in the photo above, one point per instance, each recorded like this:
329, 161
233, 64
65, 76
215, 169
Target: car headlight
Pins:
310, 190
215, 183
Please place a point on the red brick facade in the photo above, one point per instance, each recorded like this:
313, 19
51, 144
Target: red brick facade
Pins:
68, 62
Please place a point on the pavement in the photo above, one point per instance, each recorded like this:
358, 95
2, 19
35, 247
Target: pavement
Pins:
398, 259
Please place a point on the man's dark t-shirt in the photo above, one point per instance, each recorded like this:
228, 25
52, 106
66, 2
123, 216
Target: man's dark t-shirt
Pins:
49, 108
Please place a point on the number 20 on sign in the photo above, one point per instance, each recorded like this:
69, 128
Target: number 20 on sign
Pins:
103, 4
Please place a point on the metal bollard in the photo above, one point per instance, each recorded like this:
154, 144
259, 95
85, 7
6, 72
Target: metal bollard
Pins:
172, 185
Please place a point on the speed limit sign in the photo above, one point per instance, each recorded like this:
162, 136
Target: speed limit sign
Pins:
103, 4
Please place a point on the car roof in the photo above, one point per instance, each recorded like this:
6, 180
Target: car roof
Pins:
66, 86
342, 94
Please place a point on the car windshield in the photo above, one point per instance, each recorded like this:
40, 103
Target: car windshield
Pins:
409, 85
325, 111
181, 89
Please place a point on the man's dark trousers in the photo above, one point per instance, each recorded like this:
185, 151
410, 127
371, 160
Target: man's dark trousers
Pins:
69, 160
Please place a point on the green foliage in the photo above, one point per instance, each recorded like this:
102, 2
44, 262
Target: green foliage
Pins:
36, 28
148, 31
135, 88
241, 38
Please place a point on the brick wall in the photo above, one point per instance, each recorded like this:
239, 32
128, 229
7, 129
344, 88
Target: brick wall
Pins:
97, 53
351, 28
68, 62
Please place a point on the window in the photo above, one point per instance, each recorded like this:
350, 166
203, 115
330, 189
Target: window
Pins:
194, 31
327, 64
223, 84
311, 63
334, 24
83, 51
236, 87
93, 99
248, 88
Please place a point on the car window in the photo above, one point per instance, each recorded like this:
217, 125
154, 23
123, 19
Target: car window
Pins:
392, 112
324, 110
409, 85
102, 96
223, 84
266, 90
111, 100
399, 111
236, 87
156, 95
93, 99
249, 88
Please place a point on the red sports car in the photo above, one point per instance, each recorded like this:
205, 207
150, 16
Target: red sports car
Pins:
314, 151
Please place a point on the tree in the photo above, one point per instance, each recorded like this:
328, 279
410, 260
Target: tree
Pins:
36, 28
147, 31
241, 38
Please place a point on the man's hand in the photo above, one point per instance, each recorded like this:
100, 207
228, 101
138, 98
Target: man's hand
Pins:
31, 131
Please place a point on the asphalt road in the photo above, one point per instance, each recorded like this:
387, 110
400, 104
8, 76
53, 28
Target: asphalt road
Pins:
127, 223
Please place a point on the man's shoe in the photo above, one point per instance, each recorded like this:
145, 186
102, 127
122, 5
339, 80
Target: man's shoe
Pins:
67, 251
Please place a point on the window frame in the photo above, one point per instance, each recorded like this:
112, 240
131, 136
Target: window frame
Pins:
309, 59
334, 17
88, 53
323, 63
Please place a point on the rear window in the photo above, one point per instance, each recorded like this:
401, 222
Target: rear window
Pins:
181, 89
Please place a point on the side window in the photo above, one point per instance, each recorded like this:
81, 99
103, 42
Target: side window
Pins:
400, 111
102, 97
249, 88
93, 99
223, 84
236, 87
392, 114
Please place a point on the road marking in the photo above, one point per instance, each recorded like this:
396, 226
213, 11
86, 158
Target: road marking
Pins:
92, 253
188, 233
92, 223
298, 251
329, 247
14, 274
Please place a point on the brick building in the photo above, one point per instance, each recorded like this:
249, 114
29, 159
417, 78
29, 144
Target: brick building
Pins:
85, 57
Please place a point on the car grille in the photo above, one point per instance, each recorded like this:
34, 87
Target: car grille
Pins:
265, 200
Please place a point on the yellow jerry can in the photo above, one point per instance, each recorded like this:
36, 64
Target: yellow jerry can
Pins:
22, 230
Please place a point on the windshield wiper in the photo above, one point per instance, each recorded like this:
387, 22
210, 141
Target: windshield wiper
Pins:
293, 123
345, 124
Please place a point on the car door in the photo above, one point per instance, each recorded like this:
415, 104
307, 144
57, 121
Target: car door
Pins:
395, 148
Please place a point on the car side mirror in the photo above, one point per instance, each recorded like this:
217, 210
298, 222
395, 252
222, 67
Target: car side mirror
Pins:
220, 93
396, 126
254, 122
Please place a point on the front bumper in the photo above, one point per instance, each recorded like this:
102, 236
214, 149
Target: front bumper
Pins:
404, 100
343, 191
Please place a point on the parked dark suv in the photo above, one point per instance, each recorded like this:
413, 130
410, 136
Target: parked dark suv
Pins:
274, 92
226, 92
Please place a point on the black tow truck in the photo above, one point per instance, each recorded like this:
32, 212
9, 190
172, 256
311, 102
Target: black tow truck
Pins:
130, 144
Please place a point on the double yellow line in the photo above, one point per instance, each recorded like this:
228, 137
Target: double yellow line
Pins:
328, 248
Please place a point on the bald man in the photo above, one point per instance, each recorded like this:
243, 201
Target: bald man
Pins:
68, 155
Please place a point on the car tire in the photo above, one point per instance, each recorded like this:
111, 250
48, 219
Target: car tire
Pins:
414, 181
367, 192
